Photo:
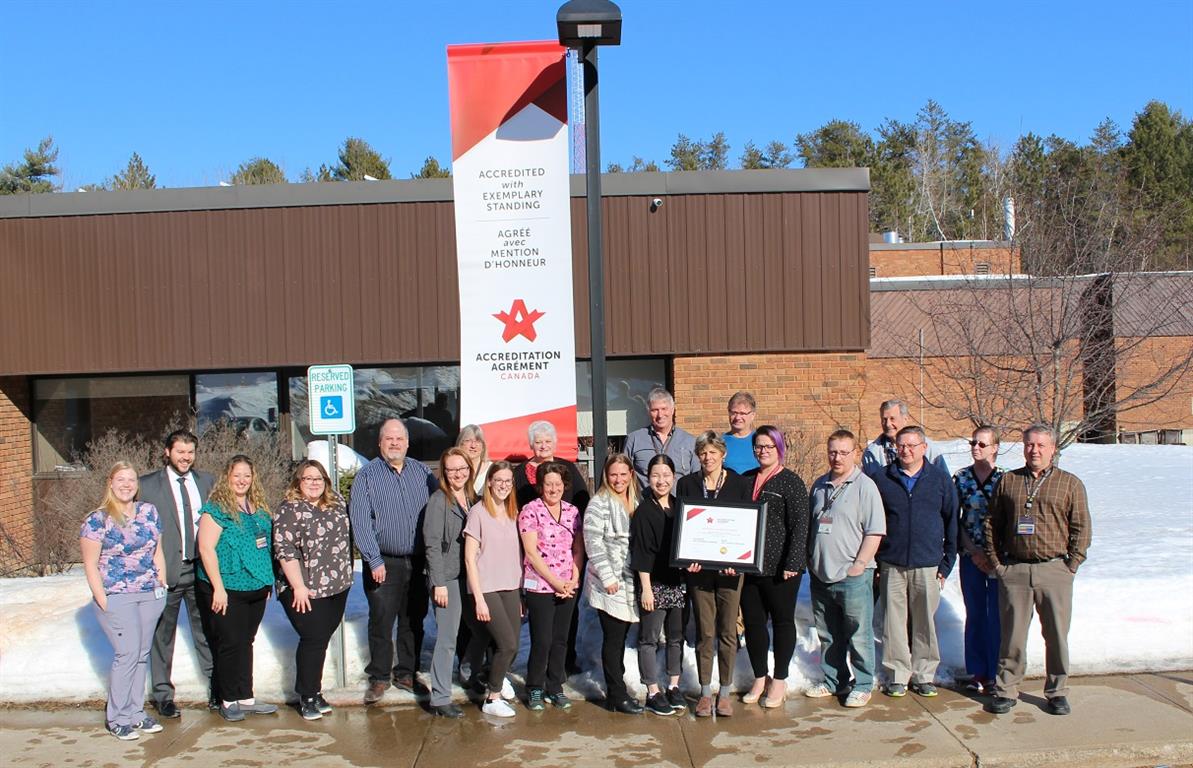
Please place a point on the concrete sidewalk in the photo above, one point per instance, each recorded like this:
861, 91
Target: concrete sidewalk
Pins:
1130, 720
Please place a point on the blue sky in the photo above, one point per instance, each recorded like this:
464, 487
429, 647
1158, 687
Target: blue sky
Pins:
196, 88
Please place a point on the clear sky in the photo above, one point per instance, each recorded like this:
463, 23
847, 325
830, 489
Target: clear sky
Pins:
198, 87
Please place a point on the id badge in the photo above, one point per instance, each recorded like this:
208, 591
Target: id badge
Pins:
530, 584
262, 542
159, 592
824, 526
1026, 526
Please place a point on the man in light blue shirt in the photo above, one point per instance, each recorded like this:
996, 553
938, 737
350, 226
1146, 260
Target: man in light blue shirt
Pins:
739, 440
881, 451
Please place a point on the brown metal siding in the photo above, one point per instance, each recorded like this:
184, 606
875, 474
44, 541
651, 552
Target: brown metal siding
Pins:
370, 284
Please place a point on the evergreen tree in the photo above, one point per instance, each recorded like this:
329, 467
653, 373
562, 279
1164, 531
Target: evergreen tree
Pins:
685, 154
431, 170
836, 144
258, 170
35, 174
357, 160
135, 175
774, 155
309, 177
689, 155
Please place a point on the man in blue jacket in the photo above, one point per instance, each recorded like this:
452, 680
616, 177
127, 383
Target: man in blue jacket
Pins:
915, 558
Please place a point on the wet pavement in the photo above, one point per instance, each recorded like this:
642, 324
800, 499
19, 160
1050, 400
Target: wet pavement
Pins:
1128, 720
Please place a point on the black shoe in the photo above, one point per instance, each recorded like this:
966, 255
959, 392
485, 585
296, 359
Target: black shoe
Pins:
1000, 705
676, 700
322, 704
658, 705
1059, 705
308, 707
169, 710
448, 710
626, 707
213, 701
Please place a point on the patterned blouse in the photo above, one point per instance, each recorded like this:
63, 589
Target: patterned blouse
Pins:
975, 501
126, 551
243, 549
554, 542
318, 539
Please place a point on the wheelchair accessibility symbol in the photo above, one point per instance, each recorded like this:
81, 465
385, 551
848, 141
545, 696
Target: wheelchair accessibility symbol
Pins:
331, 407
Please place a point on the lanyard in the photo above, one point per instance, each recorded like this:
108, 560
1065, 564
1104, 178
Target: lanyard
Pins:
716, 491
1033, 492
828, 504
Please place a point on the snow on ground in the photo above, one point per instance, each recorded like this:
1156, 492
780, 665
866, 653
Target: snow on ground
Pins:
1132, 607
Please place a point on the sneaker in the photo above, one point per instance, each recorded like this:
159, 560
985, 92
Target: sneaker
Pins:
704, 707
507, 690
322, 704
124, 732
308, 707
559, 700
232, 713
259, 708
895, 690
658, 705
1059, 705
498, 708
927, 690
857, 699
818, 691
534, 700
676, 700
148, 725
1000, 705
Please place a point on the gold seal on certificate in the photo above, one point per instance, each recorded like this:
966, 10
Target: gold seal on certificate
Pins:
719, 535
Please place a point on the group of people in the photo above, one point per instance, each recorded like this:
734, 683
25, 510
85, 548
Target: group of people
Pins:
488, 542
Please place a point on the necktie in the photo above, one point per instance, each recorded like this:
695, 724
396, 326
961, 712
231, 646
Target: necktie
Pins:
188, 521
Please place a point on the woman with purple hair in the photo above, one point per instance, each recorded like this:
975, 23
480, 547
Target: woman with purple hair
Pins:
771, 594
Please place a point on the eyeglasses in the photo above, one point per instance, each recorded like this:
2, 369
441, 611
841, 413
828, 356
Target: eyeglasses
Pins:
501, 482
457, 470
907, 446
765, 448
315, 479
979, 444
740, 414
833, 454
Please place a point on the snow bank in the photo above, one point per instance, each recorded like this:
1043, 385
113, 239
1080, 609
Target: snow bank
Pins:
1132, 609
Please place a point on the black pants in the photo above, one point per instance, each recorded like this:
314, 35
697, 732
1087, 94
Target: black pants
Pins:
615, 632
502, 632
773, 598
550, 620
402, 597
230, 635
314, 628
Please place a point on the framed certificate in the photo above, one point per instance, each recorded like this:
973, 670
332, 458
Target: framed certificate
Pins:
719, 535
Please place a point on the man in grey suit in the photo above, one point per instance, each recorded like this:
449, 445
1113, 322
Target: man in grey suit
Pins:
177, 491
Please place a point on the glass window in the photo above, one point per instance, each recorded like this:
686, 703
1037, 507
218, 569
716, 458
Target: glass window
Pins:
69, 413
627, 383
249, 400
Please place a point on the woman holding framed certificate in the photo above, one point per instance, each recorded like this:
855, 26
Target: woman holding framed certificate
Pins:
715, 594
771, 595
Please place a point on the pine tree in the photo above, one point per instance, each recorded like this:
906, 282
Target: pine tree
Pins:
357, 160
258, 170
35, 174
432, 170
135, 175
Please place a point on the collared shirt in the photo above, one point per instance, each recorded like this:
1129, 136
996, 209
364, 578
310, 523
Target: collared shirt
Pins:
644, 444
843, 514
910, 480
386, 509
881, 452
1059, 515
192, 490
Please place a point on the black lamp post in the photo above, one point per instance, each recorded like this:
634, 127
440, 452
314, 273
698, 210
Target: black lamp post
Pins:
587, 24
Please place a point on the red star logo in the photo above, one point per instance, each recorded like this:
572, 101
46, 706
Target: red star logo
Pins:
518, 321
710, 521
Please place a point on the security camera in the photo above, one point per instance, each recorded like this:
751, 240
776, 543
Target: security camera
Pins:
656, 204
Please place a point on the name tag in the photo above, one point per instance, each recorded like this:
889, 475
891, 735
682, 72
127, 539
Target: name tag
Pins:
530, 584
824, 526
159, 592
262, 542
1026, 526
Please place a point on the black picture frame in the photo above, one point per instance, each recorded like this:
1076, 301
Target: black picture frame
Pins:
685, 512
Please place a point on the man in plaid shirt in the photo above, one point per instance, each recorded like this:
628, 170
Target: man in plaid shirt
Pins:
1037, 533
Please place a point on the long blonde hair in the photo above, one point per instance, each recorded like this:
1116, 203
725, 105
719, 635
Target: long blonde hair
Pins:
224, 497
491, 504
631, 492
112, 506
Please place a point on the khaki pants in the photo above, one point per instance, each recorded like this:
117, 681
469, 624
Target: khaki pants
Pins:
909, 597
1048, 589
717, 612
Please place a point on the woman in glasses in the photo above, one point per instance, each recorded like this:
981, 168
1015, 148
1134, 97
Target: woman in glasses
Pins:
976, 486
771, 594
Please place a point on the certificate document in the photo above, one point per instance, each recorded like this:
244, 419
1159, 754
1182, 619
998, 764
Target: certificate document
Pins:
719, 535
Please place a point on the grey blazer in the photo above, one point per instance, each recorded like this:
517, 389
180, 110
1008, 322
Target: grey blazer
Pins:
443, 533
155, 490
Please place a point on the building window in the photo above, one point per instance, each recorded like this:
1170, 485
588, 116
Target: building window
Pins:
249, 400
981, 268
873, 271
628, 382
70, 413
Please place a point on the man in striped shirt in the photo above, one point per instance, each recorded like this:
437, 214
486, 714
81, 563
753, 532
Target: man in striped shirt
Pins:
388, 499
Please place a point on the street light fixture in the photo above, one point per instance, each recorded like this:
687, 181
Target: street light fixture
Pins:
586, 25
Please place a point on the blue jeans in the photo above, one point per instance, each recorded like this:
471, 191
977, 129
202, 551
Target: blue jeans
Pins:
844, 616
982, 631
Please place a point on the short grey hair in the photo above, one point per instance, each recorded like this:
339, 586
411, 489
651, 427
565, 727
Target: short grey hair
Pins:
894, 403
1040, 428
711, 439
660, 393
913, 430
743, 397
541, 427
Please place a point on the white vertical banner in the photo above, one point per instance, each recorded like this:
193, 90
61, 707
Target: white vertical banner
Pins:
513, 241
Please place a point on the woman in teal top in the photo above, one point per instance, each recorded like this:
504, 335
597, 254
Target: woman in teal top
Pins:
235, 577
